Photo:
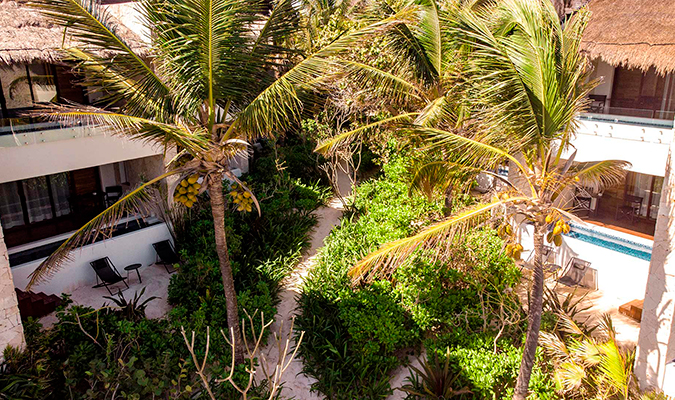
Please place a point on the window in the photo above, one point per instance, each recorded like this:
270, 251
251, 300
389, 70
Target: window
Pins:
11, 210
36, 192
34, 200
648, 188
60, 193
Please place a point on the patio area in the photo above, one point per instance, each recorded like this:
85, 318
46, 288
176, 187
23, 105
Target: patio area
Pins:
618, 271
155, 281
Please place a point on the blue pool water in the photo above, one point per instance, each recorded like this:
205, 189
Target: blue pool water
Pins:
611, 242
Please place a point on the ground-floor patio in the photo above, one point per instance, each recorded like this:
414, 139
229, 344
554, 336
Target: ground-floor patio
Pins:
155, 280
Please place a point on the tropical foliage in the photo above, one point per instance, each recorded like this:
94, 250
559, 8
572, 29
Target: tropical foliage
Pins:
207, 90
95, 354
526, 80
355, 336
590, 367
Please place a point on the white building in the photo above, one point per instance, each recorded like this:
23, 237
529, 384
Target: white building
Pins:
630, 43
54, 177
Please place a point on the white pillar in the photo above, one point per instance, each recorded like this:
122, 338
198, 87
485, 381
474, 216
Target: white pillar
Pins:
655, 358
11, 329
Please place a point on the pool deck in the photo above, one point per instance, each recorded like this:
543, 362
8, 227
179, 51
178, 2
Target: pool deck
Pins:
620, 278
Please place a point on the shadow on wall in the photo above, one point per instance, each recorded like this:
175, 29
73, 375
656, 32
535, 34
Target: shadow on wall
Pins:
656, 344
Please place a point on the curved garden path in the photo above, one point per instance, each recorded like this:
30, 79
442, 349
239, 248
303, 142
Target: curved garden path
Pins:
296, 384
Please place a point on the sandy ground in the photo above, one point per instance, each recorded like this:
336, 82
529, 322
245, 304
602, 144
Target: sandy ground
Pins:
295, 383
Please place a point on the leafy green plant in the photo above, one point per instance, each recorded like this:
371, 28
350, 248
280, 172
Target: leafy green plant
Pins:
435, 381
134, 309
570, 306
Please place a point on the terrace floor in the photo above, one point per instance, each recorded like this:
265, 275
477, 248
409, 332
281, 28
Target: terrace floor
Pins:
155, 281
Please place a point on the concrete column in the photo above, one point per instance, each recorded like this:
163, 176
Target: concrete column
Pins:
11, 329
655, 358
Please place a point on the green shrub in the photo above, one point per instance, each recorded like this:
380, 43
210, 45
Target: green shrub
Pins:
355, 334
487, 374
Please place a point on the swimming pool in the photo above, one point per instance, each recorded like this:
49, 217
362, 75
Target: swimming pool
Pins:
610, 241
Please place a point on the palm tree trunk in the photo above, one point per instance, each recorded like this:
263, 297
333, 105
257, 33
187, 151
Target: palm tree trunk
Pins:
534, 316
447, 206
218, 211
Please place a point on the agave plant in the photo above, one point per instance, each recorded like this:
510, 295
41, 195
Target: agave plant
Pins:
525, 80
586, 367
134, 309
435, 381
216, 76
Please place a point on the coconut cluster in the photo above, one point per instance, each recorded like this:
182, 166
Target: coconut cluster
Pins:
242, 199
187, 190
513, 250
560, 227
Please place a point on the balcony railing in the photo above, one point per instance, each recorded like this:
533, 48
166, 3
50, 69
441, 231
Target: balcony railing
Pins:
616, 115
16, 132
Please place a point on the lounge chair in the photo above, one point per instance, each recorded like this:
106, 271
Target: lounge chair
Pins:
106, 273
166, 255
575, 272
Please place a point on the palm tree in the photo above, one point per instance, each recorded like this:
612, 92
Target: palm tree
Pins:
216, 75
425, 83
526, 81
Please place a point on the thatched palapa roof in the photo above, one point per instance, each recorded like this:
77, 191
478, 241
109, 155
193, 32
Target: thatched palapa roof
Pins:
27, 36
632, 33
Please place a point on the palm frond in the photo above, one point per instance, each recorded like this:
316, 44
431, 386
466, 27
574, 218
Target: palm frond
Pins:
279, 105
439, 175
531, 84
132, 127
615, 366
139, 201
417, 43
439, 111
570, 376
204, 46
554, 347
393, 254
112, 85
331, 144
477, 153
396, 88
92, 26
283, 21
599, 175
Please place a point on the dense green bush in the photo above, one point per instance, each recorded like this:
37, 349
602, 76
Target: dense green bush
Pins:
356, 334
488, 374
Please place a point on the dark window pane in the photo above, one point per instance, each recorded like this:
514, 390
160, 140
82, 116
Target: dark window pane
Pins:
11, 212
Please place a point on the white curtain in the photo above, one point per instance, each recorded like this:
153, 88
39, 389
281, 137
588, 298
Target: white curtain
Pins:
37, 199
11, 213
60, 193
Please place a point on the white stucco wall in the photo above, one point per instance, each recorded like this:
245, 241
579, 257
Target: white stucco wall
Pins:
646, 148
58, 150
131, 248
655, 358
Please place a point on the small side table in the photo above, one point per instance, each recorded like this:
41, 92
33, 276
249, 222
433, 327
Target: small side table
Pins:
134, 267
